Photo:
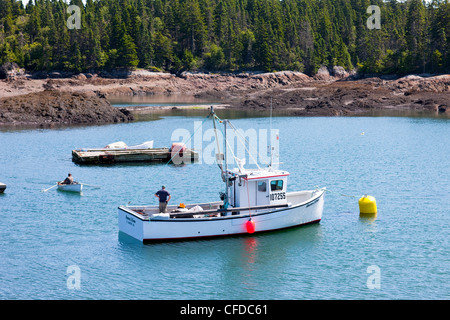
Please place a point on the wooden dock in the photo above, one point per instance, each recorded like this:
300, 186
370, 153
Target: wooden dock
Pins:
155, 155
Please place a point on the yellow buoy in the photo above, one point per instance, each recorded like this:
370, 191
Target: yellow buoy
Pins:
367, 205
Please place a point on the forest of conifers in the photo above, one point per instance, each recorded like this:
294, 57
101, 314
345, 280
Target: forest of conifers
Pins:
226, 35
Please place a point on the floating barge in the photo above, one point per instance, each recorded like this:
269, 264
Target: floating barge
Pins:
177, 154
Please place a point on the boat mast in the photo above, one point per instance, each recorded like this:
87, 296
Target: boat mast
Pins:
223, 168
226, 163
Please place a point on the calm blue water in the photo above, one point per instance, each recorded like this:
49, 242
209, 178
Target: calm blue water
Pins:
402, 162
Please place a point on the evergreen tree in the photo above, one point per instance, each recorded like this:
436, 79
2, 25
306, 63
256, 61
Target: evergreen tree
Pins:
416, 35
127, 52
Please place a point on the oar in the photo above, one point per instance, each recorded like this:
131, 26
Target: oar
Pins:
45, 190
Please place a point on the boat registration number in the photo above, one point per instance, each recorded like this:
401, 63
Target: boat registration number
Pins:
278, 196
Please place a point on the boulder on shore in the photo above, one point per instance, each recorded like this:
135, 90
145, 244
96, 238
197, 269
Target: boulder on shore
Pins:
51, 107
10, 70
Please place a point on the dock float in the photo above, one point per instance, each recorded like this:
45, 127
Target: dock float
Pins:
155, 155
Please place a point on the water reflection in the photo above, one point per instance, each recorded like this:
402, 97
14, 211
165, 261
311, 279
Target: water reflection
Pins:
368, 217
201, 111
369, 222
158, 113
189, 106
126, 241
250, 250
251, 261
159, 100
70, 194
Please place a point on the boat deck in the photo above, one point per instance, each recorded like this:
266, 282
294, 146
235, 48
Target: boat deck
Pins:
213, 209
173, 211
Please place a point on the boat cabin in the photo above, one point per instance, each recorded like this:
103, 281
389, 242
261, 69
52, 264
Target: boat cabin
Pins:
259, 187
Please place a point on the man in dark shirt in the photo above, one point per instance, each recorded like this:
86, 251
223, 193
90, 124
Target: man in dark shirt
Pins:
68, 180
164, 197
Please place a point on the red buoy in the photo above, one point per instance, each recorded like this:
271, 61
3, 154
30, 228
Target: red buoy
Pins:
250, 225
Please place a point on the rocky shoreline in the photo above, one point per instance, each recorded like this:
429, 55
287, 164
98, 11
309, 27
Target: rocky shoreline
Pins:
50, 108
355, 97
82, 98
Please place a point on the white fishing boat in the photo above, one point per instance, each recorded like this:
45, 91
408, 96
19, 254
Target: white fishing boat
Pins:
73, 187
255, 200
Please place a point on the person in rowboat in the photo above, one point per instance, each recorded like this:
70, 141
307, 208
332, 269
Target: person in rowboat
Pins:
68, 180
164, 197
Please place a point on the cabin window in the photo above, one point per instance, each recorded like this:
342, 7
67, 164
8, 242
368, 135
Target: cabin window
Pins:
262, 187
276, 185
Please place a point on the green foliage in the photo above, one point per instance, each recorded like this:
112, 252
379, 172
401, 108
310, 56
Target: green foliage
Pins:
127, 53
229, 35
215, 58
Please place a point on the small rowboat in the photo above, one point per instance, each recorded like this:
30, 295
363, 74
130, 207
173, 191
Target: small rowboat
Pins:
74, 187
2, 187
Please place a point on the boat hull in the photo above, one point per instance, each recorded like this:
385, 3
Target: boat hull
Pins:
2, 187
77, 187
149, 229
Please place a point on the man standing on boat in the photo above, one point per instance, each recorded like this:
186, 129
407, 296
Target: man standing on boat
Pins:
164, 197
